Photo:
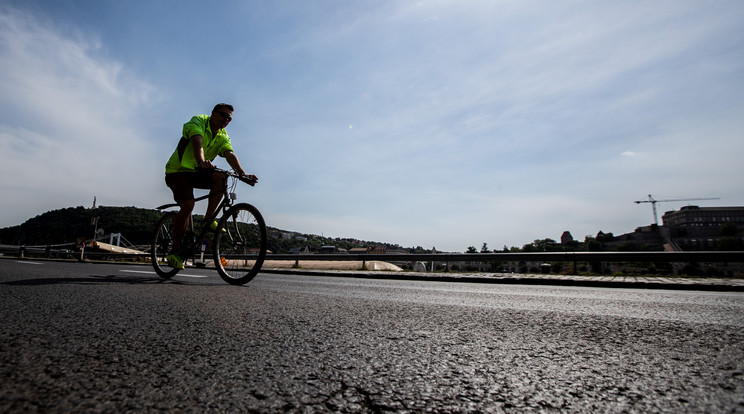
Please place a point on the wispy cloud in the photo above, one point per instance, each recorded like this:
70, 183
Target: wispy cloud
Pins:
506, 101
69, 125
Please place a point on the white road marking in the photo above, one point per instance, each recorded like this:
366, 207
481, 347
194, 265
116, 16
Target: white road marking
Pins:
25, 262
152, 273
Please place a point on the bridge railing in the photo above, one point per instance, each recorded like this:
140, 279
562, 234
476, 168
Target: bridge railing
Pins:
696, 256
445, 259
67, 251
731, 262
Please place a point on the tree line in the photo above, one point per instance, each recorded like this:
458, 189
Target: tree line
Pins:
67, 225
70, 224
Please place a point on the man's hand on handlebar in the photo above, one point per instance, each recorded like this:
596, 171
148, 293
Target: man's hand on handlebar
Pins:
249, 179
205, 165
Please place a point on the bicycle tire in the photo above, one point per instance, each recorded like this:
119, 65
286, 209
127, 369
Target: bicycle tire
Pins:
162, 243
240, 244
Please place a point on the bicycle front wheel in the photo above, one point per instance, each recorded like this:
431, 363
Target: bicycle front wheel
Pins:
162, 243
240, 244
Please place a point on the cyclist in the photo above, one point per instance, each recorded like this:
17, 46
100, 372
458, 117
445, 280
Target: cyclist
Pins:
190, 166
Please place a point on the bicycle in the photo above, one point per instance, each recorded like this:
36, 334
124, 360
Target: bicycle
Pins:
239, 242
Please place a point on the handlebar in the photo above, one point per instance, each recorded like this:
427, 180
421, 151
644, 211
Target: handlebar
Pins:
248, 179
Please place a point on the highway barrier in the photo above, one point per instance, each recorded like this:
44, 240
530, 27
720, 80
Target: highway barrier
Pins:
571, 262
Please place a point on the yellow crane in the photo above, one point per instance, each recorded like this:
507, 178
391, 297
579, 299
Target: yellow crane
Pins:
654, 201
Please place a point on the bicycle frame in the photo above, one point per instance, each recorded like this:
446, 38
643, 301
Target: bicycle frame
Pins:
239, 242
228, 199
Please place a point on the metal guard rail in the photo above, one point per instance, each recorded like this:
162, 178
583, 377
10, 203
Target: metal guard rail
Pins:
655, 256
692, 256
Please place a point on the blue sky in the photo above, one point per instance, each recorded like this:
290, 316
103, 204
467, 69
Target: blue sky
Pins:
425, 123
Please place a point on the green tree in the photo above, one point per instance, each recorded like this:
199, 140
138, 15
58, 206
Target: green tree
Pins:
546, 245
542, 245
592, 244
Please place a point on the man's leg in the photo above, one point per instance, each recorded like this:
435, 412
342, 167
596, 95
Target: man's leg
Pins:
183, 193
215, 194
180, 222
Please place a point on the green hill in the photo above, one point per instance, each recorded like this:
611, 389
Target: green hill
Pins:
67, 225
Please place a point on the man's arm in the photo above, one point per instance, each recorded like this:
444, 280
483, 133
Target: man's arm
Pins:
232, 159
198, 148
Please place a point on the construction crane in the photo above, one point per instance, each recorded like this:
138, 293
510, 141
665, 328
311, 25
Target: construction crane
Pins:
654, 201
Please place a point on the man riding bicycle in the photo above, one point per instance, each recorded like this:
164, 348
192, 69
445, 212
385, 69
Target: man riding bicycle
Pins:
190, 166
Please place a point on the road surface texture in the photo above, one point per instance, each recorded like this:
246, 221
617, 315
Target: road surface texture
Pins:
112, 338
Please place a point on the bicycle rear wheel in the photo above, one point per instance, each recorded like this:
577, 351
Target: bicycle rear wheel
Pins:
162, 243
240, 244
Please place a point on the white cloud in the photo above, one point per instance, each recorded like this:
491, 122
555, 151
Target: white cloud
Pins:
69, 126
527, 104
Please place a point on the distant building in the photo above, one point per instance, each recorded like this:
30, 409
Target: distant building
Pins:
702, 217
327, 249
690, 228
699, 228
378, 250
275, 233
566, 238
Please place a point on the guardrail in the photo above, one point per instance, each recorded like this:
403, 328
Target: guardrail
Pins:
696, 256
73, 253
723, 257
685, 257
703, 262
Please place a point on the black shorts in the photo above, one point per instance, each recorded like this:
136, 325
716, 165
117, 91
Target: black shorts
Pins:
183, 184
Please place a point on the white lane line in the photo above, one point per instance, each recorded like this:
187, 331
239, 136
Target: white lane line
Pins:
25, 262
152, 273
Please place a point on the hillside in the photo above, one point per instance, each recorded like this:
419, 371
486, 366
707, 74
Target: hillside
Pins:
65, 226
68, 224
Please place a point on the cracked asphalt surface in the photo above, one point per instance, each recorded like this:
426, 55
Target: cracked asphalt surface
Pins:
93, 338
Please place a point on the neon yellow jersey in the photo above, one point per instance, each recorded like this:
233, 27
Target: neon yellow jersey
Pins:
182, 159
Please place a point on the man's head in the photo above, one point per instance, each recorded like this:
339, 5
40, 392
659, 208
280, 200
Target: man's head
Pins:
221, 116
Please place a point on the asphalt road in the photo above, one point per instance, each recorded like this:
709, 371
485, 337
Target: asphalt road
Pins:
93, 338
